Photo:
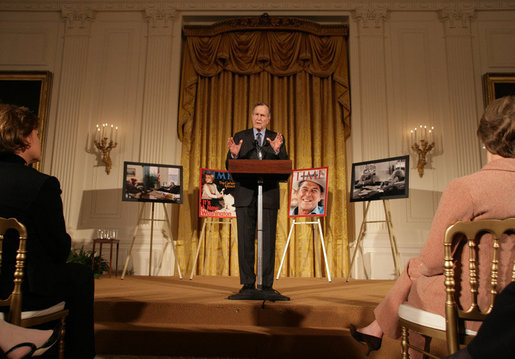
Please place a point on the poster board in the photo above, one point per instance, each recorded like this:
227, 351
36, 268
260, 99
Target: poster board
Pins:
308, 192
381, 179
152, 182
216, 190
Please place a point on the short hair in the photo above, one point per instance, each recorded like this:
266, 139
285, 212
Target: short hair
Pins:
262, 104
16, 124
497, 127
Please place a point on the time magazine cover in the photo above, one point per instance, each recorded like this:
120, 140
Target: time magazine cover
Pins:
216, 194
308, 193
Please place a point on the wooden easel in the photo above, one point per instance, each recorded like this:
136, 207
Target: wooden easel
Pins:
316, 256
210, 221
152, 220
391, 235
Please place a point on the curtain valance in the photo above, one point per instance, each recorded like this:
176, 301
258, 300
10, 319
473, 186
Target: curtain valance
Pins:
280, 46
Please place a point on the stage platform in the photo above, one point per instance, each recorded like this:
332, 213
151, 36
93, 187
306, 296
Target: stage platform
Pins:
166, 316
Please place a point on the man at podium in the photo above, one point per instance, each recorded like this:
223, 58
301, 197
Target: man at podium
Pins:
251, 144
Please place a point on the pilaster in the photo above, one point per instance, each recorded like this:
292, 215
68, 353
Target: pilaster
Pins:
157, 116
461, 83
74, 64
372, 78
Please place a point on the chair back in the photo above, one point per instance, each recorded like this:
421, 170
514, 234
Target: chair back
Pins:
13, 301
473, 232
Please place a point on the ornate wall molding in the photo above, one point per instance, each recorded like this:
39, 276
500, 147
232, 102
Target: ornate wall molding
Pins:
160, 20
455, 18
78, 18
263, 5
266, 22
370, 17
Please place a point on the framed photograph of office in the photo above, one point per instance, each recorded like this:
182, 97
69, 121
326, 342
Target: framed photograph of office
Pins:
30, 89
382, 179
496, 85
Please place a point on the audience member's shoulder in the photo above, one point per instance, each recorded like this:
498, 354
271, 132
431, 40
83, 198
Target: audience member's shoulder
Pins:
45, 181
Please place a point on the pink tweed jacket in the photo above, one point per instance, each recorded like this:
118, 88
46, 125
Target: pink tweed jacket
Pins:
488, 193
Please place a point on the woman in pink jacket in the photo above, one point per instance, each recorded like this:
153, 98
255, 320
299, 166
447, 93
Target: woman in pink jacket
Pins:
486, 194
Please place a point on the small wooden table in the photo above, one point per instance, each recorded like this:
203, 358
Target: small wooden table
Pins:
101, 241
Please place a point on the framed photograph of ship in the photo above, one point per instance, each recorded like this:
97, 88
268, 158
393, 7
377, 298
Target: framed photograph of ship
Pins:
380, 179
308, 192
216, 198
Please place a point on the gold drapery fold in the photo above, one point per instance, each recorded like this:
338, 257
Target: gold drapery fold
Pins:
304, 76
279, 53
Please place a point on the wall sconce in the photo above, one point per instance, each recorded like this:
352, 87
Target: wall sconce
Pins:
422, 142
106, 144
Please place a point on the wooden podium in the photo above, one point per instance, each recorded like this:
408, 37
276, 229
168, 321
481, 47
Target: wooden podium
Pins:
260, 171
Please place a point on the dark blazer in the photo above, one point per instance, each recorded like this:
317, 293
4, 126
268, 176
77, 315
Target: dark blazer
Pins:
246, 186
34, 199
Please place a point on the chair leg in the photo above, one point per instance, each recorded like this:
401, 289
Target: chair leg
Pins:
427, 346
61, 339
404, 343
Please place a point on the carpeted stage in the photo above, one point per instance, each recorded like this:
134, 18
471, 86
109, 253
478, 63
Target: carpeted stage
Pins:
166, 316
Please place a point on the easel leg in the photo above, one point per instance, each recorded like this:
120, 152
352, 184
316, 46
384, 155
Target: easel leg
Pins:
172, 241
285, 250
151, 240
393, 241
358, 240
323, 249
208, 235
198, 247
132, 241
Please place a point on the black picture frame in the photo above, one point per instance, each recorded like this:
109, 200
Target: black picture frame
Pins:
31, 89
496, 85
382, 179
152, 182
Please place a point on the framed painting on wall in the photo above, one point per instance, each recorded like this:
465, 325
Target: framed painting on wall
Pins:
30, 89
497, 85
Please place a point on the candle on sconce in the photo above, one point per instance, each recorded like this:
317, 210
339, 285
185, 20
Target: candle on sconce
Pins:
111, 134
116, 135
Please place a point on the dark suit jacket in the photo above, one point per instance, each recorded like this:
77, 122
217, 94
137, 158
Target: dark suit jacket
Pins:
246, 186
34, 199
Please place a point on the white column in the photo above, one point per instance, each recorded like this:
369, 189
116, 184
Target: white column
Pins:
462, 92
72, 80
372, 79
158, 116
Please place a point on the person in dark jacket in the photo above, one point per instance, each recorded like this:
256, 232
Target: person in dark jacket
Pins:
256, 143
34, 199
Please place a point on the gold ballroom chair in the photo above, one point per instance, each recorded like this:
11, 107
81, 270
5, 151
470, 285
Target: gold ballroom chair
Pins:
451, 327
13, 303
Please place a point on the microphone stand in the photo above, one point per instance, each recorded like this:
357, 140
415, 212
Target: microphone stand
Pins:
259, 222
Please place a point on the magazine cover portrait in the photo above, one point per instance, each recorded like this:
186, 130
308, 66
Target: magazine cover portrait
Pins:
308, 194
216, 194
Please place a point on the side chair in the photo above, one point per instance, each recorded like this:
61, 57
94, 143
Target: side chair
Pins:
11, 307
451, 328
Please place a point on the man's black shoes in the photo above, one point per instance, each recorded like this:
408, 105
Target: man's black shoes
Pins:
249, 292
268, 293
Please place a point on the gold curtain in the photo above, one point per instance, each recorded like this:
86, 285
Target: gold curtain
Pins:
300, 68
